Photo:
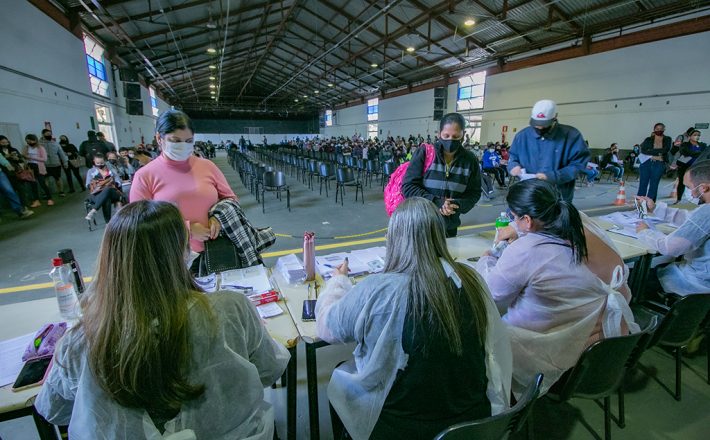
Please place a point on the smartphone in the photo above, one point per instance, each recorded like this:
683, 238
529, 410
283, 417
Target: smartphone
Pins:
309, 310
33, 373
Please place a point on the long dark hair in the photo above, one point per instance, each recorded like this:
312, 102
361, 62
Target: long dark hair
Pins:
136, 313
416, 244
172, 120
556, 217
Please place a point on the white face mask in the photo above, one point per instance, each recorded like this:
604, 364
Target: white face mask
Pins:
179, 151
688, 195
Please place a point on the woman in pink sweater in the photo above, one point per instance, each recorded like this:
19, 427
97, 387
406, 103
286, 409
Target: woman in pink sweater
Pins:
178, 176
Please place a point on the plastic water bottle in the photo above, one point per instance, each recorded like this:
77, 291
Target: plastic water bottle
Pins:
67, 299
502, 221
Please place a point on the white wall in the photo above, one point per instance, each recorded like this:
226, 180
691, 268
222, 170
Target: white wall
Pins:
35, 45
398, 116
673, 67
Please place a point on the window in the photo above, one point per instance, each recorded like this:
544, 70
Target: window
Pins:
96, 67
373, 109
329, 118
154, 101
471, 91
473, 127
104, 120
371, 131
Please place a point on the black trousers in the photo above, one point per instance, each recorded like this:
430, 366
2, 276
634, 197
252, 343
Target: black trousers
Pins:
498, 173
682, 169
40, 181
75, 171
103, 201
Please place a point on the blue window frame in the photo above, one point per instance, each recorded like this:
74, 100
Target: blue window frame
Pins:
373, 109
96, 68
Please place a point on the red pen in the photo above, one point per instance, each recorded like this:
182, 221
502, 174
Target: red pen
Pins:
264, 298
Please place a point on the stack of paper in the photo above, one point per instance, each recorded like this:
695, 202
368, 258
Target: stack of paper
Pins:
251, 279
359, 261
269, 310
625, 222
11, 351
291, 269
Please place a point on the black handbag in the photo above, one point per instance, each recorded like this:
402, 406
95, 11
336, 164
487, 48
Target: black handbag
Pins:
220, 255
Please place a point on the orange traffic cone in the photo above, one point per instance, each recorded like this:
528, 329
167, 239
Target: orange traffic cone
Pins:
621, 195
674, 193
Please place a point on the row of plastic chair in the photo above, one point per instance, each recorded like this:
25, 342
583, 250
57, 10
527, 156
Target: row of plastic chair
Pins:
260, 178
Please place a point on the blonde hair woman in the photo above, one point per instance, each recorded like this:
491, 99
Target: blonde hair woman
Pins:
152, 354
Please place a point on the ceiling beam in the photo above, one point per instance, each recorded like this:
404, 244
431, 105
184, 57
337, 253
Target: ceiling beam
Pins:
152, 13
560, 13
199, 22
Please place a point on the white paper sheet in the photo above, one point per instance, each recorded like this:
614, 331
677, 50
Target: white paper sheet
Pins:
269, 310
11, 351
208, 283
325, 264
254, 277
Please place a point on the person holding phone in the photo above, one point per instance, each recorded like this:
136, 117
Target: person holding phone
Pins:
153, 356
453, 181
431, 348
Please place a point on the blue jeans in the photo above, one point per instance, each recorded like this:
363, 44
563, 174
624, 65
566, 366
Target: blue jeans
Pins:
591, 174
10, 194
617, 170
650, 173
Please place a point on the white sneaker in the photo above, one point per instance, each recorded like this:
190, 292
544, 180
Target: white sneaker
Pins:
26, 213
90, 215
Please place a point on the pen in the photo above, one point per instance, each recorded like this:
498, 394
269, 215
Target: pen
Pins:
40, 338
264, 298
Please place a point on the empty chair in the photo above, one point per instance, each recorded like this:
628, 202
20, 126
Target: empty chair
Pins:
372, 169
496, 427
678, 325
313, 171
387, 170
600, 370
275, 181
346, 177
327, 173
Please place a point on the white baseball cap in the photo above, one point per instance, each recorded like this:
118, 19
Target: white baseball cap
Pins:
543, 113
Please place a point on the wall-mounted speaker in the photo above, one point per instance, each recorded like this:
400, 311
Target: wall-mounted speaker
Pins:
128, 75
132, 91
134, 107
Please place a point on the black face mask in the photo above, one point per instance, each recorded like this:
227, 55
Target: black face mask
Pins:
113, 161
63, 142
48, 137
102, 166
450, 145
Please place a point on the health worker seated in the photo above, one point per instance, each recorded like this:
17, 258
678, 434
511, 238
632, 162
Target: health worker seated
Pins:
560, 285
690, 240
431, 347
153, 355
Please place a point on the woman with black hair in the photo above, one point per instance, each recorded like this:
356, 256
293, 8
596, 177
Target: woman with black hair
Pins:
178, 176
555, 283
453, 181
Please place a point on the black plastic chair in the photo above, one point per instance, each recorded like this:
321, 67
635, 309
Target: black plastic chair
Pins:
327, 173
275, 181
601, 369
496, 427
346, 177
372, 169
679, 323
387, 169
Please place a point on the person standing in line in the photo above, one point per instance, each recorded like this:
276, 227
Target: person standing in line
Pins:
36, 157
73, 160
654, 160
689, 153
90, 147
453, 181
109, 145
56, 160
549, 150
8, 192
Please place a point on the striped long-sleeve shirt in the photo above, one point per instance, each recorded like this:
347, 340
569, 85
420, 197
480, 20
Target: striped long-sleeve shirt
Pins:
461, 181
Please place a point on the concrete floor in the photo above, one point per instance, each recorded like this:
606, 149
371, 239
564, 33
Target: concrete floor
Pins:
28, 245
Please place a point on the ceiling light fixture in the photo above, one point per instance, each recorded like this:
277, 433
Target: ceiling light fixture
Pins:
410, 49
331, 85
211, 50
212, 86
373, 65
305, 96
212, 78
469, 22
295, 100
316, 92
212, 66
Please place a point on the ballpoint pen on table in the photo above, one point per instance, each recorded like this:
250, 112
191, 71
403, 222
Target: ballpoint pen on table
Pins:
38, 340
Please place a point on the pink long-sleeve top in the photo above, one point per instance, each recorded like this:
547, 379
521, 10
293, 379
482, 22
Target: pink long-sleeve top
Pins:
194, 185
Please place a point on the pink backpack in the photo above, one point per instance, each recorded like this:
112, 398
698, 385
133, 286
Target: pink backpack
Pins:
393, 190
